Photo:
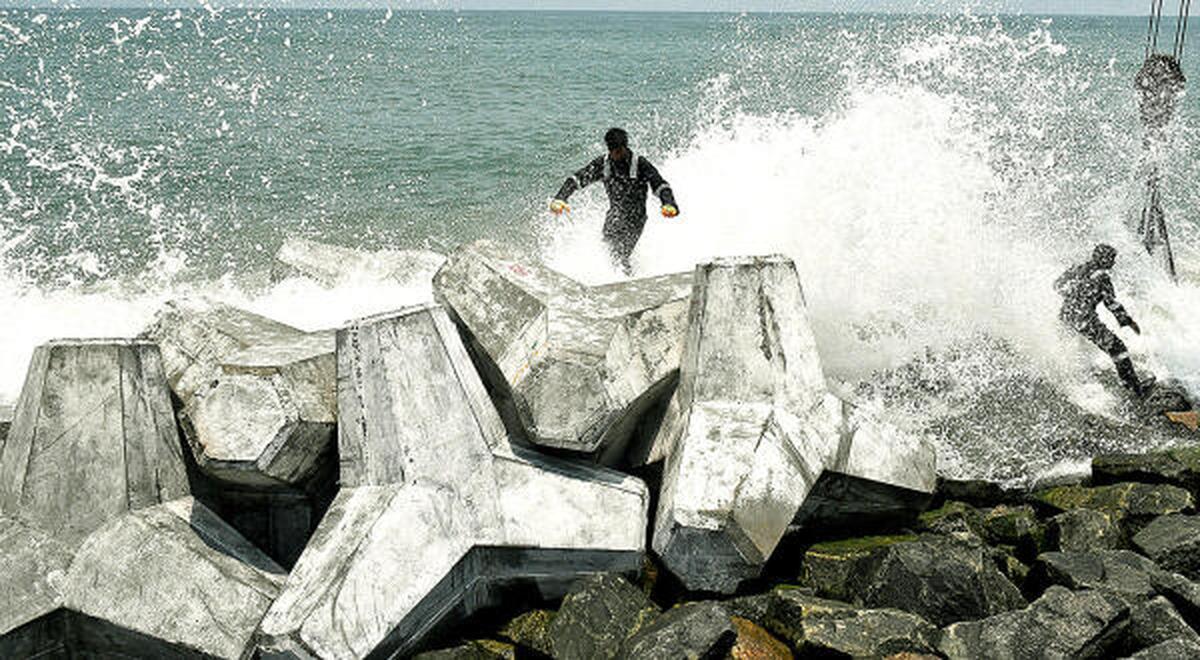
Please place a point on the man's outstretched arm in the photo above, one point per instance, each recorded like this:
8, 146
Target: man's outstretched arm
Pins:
1109, 296
589, 174
659, 185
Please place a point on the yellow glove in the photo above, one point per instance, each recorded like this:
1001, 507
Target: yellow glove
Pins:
669, 211
558, 206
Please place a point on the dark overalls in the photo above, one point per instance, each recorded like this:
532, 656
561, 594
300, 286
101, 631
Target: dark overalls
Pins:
626, 183
1083, 287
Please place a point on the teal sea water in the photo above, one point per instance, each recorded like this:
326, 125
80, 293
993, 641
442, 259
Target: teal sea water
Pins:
930, 174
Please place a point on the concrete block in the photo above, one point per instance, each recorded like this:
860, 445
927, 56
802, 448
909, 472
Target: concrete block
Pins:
6, 415
94, 436
580, 364
330, 265
33, 566
753, 429
171, 580
439, 513
258, 402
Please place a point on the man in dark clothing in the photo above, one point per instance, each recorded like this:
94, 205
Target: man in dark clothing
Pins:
626, 177
1085, 286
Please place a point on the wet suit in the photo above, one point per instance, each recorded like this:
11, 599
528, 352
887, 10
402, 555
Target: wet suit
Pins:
626, 183
1083, 287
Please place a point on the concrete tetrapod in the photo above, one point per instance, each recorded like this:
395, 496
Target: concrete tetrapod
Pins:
101, 551
171, 580
753, 428
330, 265
258, 410
93, 437
580, 364
439, 510
258, 395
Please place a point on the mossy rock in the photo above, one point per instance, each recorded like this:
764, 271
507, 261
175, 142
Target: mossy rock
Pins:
483, 649
838, 569
531, 630
789, 608
1132, 504
1016, 526
952, 517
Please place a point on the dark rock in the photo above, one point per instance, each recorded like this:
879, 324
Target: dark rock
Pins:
1120, 572
598, 615
1175, 649
1154, 622
1084, 530
754, 608
953, 518
824, 628
1132, 504
754, 643
694, 630
941, 580
869, 633
477, 650
1173, 542
1016, 526
1182, 593
973, 492
1165, 397
839, 569
791, 608
531, 630
1060, 624
1177, 467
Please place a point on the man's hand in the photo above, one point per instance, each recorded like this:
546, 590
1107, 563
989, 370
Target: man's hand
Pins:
1132, 325
669, 211
557, 207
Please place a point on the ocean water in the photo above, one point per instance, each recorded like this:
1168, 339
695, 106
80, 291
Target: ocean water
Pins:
931, 175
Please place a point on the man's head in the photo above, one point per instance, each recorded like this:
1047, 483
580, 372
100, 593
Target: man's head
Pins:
617, 141
1104, 256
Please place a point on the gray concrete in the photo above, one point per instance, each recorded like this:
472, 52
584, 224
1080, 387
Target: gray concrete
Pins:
330, 265
32, 568
439, 511
94, 436
170, 580
753, 429
581, 364
258, 396
6, 415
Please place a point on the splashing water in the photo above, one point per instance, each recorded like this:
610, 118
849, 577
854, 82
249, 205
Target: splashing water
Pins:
931, 177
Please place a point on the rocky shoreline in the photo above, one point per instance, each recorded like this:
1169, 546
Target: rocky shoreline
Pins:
539, 468
1101, 569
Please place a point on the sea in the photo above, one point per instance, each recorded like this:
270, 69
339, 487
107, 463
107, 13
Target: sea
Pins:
931, 175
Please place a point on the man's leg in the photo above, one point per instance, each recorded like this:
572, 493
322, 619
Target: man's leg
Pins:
1110, 343
621, 235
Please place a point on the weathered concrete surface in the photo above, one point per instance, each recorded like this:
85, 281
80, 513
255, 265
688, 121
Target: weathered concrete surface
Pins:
753, 430
258, 401
6, 415
438, 511
330, 265
94, 437
32, 568
196, 335
170, 580
268, 419
580, 364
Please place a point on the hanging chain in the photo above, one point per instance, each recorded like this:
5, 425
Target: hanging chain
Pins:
1185, 8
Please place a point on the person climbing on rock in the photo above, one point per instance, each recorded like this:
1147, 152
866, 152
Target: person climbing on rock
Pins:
626, 178
1083, 288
